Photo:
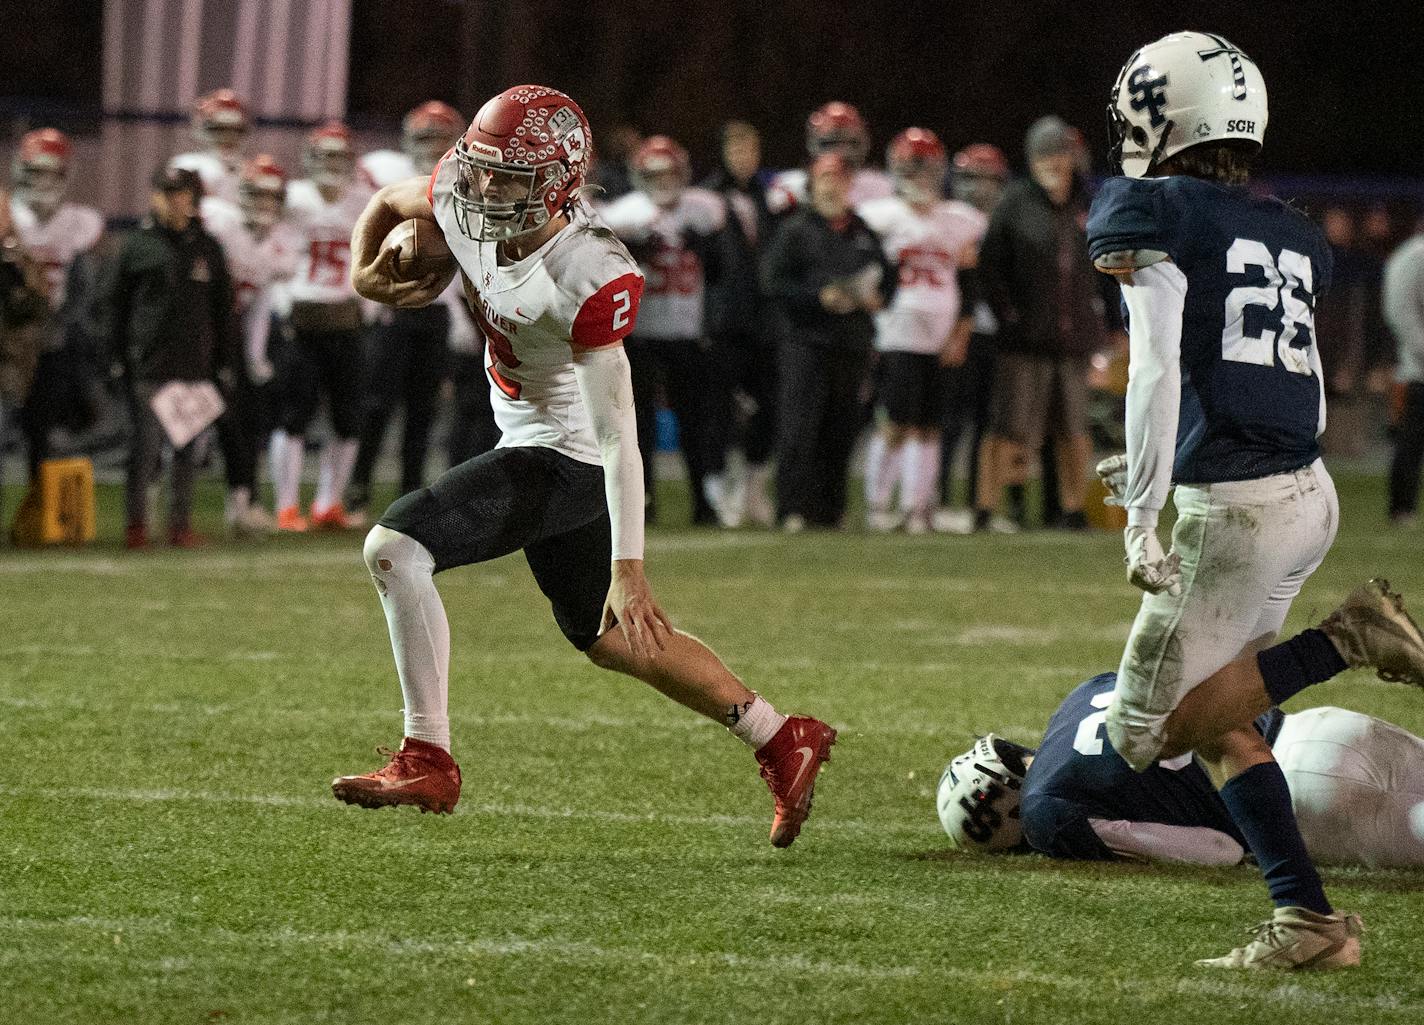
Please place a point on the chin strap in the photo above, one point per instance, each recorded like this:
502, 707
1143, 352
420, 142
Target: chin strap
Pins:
1157, 150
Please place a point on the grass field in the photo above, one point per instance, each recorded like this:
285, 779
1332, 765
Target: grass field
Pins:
170, 852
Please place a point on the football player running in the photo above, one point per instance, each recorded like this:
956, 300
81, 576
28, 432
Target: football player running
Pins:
1220, 288
555, 293
932, 242
221, 126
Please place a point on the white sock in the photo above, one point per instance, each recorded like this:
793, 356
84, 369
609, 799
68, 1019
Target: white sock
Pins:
239, 500
287, 481
756, 722
403, 570
276, 456
882, 465
337, 457
919, 476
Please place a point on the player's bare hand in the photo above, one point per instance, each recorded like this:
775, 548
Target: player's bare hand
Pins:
836, 299
631, 605
378, 281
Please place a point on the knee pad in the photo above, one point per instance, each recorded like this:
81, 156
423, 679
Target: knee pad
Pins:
392, 557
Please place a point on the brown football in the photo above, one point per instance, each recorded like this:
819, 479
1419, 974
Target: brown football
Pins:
418, 249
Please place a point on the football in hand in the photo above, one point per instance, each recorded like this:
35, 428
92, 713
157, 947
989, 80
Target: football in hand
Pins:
416, 250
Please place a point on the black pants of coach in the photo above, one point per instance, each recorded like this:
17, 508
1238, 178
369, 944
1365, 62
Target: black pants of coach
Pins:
745, 364
966, 414
473, 431
1408, 453
819, 416
404, 367
676, 369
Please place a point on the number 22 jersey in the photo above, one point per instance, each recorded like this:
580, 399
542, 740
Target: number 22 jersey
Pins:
580, 288
1252, 400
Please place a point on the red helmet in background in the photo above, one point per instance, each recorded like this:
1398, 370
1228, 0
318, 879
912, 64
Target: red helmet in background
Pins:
521, 162
221, 121
660, 167
428, 131
41, 169
329, 158
837, 127
980, 172
262, 191
916, 160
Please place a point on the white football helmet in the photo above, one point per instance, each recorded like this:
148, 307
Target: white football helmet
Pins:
1183, 90
979, 795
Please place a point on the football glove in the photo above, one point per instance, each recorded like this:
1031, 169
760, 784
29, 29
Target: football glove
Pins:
1148, 567
1112, 471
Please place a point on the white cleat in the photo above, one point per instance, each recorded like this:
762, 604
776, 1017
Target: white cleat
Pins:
953, 521
1296, 939
883, 521
1371, 629
917, 524
1003, 525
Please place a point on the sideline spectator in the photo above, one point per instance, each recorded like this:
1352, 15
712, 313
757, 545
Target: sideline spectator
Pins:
743, 358
1403, 307
24, 307
826, 273
171, 308
1035, 272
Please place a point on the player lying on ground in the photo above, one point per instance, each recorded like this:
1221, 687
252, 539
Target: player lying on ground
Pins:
1356, 783
555, 294
1225, 399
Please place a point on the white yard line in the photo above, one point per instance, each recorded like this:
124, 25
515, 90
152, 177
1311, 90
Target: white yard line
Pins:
117, 931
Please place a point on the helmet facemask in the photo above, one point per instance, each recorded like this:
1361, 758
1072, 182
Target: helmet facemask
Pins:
41, 187
331, 167
495, 201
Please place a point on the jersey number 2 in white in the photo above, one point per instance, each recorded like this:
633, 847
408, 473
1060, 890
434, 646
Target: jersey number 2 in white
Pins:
1087, 742
1283, 278
622, 303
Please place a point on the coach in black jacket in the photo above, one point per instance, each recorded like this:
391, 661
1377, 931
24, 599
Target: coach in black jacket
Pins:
171, 319
825, 273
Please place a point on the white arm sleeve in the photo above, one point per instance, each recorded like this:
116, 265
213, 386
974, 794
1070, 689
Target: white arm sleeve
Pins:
1155, 841
1155, 299
606, 384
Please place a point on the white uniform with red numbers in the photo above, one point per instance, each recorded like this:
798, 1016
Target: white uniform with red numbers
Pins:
324, 266
581, 288
256, 267
220, 178
928, 249
54, 243
672, 303
787, 190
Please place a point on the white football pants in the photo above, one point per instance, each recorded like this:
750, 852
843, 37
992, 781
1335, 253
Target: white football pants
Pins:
1246, 548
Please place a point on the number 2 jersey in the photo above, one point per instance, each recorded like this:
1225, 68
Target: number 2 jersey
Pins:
580, 288
1252, 401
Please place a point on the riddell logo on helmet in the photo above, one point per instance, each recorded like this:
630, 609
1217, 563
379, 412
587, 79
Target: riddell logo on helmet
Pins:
1248, 127
483, 149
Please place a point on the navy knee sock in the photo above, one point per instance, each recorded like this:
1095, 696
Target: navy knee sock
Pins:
1260, 805
1291, 666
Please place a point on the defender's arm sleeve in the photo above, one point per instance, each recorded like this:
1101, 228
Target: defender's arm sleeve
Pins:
606, 383
1156, 841
1155, 297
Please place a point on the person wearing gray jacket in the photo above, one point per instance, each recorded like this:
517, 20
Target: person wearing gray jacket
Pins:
1402, 299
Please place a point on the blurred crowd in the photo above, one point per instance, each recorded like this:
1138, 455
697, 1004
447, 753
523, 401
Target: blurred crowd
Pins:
938, 315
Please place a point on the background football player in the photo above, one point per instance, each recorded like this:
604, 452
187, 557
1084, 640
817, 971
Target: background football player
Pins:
667, 225
833, 127
262, 251
221, 126
322, 315
1220, 287
555, 294
1356, 783
932, 243
57, 235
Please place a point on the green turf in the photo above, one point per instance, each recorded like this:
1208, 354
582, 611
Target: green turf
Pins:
169, 851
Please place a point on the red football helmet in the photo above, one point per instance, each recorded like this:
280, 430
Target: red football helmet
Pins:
521, 162
837, 126
41, 168
328, 158
661, 168
984, 159
220, 121
261, 191
428, 131
916, 161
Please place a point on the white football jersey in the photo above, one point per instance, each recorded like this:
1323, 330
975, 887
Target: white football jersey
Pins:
257, 267
672, 301
324, 267
580, 288
53, 244
787, 190
927, 250
220, 176
382, 167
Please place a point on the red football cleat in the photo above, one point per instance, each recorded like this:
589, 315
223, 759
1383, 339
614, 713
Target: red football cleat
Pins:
136, 537
419, 773
789, 764
187, 537
333, 517
291, 520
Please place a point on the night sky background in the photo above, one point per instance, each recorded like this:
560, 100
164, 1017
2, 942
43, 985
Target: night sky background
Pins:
1346, 81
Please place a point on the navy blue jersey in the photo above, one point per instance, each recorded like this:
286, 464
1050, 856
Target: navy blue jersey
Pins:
1076, 775
1251, 388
